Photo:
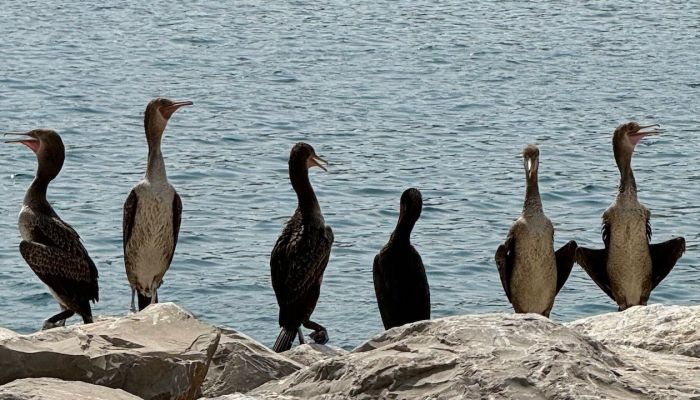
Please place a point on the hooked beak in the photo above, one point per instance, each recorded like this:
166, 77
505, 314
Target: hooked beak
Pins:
316, 161
168, 111
30, 141
635, 137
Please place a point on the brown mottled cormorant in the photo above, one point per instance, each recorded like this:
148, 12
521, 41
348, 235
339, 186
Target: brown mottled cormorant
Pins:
152, 213
301, 254
629, 267
531, 272
402, 290
51, 247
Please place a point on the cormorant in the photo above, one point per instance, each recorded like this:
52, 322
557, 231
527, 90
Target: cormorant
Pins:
301, 254
531, 272
629, 267
402, 290
152, 213
50, 246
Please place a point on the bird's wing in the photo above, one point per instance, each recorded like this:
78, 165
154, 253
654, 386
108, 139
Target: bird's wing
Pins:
129, 215
299, 260
663, 258
177, 217
382, 290
505, 255
594, 263
59, 259
565, 261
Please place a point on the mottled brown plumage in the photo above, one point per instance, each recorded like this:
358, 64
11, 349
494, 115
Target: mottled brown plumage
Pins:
629, 267
300, 256
531, 272
51, 247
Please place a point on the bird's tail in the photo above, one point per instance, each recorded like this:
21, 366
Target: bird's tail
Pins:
144, 301
284, 340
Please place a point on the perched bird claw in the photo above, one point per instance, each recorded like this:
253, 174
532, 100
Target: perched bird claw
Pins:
319, 337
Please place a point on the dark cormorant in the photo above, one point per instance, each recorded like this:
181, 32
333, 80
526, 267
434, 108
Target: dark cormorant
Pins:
629, 267
531, 272
301, 254
402, 290
51, 247
152, 213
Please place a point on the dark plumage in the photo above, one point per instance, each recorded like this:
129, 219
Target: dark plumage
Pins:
300, 255
629, 267
400, 283
51, 247
152, 213
531, 272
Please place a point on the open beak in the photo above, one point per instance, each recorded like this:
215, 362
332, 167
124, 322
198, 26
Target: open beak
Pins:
29, 140
167, 111
316, 161
635, 137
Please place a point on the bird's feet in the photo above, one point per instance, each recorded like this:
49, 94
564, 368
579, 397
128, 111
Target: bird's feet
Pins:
50, 325
320, 336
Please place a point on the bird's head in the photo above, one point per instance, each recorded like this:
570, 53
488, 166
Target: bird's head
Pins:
48, 147
158, 112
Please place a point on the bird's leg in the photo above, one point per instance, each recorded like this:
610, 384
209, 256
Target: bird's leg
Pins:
319, 335
133, 304
57, 320
154, 299
301, 336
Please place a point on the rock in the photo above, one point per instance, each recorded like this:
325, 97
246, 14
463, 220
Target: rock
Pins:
240, 396
658, 328
307, 354
498, 356
241, 364
56, 389
6, 333
163, 352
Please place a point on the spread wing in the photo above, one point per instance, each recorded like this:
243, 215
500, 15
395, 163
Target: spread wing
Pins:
594, 262
565, 261
505, 257
663, 258
58, 258
177, 216
129, 215
299, 259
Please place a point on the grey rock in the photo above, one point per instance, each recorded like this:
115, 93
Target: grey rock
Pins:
6, 333
161, 353
309, 353
56, 389
241, 396
241, 364
658, 328
493, 356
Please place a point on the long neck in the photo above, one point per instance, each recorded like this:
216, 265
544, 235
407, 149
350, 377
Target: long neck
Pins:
628, 186
308, 204
533, 202
155, 170
402, 232
36, 194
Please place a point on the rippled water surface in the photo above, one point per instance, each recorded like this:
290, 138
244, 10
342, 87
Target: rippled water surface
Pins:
437, 95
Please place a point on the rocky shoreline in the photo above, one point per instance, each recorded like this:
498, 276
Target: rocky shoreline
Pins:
164, 352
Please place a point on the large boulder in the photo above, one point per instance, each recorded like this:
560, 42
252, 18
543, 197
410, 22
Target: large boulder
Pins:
56, 389
499, 356
658, 328
241, 364
161, 353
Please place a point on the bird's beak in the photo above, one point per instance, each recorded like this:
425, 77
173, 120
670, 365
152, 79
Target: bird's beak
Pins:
635, 137
167, 111
30, 141
316, 161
